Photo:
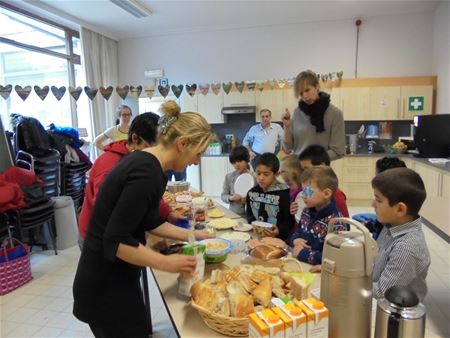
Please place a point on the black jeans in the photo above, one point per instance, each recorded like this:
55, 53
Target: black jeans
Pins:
118, 332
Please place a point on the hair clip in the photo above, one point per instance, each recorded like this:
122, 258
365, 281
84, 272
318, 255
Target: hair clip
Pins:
307, 192
165, 122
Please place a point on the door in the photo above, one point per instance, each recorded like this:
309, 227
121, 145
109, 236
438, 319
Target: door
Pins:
272, 100
210, 106
384, 103
416, 100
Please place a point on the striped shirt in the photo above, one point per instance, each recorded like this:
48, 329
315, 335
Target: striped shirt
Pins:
403, 259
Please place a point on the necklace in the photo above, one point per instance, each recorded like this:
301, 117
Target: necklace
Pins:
120, 131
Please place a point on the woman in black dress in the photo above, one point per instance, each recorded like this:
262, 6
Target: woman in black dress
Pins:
107, 292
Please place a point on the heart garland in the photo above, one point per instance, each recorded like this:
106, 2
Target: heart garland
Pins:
41, 92
123, 91
251, 85
164, 91
106, 92
177, 90
204, 88
227, 87
149, 92
90, 92
58, 92
281, 84
215, 88
191, 89
23, 92
5, 91
240, 86
136, 91
260, 86
75, 92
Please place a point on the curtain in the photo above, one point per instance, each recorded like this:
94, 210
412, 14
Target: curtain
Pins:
100, 60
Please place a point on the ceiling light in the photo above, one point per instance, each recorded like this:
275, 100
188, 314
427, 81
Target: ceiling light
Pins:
133, 7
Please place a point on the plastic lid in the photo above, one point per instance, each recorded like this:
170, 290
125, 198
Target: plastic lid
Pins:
401, 296
318, 305
273, 318
295, 311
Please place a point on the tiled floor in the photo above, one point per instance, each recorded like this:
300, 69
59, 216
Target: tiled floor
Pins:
43, 307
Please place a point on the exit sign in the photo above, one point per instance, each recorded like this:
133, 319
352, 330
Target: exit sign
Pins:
416, 103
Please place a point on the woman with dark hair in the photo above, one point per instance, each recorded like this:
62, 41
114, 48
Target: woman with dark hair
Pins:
315, 120
119, 131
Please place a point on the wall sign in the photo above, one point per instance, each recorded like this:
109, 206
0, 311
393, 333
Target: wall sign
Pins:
415, 103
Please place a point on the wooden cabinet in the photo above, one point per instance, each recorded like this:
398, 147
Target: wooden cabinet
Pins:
337, 168
188, 102
210, 106
272, 100
384, 103
416, 100
289, 100
357, 173
354, 102
235, 98
213, 170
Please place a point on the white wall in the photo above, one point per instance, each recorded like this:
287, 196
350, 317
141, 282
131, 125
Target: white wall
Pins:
441, 56
389, 46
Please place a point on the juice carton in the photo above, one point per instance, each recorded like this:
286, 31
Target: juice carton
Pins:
286, 320
265, 324
185, 282
298, 319
317, 317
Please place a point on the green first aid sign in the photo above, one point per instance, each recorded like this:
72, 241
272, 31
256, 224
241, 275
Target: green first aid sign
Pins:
416, 103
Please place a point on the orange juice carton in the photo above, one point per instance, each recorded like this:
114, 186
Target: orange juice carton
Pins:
298, 319
317, 317
265, 324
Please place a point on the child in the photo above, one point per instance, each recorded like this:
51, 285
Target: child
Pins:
269, 200
291, 171
403, 257
317, 155
368, 219
239, 158
319, 186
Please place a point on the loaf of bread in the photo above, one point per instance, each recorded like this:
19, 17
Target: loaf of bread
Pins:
266, 252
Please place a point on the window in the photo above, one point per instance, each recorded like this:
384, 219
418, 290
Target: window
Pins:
37, 52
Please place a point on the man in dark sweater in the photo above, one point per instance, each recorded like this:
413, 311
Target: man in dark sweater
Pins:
269, 200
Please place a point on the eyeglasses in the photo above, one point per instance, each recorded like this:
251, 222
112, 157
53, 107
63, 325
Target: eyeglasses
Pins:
125, 115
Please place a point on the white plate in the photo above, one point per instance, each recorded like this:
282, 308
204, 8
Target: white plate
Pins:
243, 184
243, 227
223, 223
235, 235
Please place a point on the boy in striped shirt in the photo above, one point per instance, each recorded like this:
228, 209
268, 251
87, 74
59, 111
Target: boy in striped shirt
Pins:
403, 257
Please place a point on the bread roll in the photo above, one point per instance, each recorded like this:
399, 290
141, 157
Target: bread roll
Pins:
241, 305
263, 292
246, 282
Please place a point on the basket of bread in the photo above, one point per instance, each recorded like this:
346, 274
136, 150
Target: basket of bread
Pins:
225, 300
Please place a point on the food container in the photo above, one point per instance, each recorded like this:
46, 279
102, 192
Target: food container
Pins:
259, 227
177, 186
199, 209
217, 250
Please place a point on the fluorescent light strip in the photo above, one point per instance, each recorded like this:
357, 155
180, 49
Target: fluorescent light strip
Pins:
132, 7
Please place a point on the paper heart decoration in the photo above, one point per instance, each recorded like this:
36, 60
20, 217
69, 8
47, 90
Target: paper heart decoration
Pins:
75, 92
272, 84
177, 90
251, 85
5, 91
240, 86
23, 92
136, 91
164, 91
41, 92
191, 89
204, 88
260, 86
281, 84
291, 81
149, 92
227, 87
106, 92
122, 91
215, 87
58, 92
90, 92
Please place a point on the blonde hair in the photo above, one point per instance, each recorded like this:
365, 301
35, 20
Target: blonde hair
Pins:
304, 79
323, 176
174, 124
291, 164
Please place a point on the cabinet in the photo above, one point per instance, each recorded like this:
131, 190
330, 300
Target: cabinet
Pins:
210, 107
272, 100
354, 102
246, 98
416, 100
289, 100
188, 102
213, 170
384, 103
357, 173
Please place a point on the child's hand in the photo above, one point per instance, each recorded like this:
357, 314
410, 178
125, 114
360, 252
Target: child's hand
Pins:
301, 243
293, 208
273, 232
316, 268
235, 197
296, 250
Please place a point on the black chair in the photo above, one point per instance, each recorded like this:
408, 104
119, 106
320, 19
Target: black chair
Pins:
73, 181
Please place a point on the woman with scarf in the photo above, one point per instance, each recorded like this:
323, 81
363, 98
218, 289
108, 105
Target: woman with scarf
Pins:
315, 120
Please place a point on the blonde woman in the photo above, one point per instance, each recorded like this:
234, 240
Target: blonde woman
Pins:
120, 131
315, 120
107, 293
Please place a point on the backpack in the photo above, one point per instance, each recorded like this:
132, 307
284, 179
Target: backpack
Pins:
30, 136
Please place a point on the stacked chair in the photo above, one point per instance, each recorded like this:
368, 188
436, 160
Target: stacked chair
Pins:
73, 181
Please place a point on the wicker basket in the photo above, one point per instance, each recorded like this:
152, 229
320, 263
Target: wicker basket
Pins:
229, 326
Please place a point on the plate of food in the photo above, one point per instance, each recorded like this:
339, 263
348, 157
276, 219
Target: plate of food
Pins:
223, 223
236, 235
216, 213
243, 227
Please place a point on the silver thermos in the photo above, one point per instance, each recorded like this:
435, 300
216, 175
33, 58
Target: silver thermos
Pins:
346, 282
400, 315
